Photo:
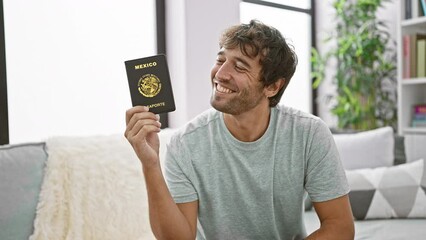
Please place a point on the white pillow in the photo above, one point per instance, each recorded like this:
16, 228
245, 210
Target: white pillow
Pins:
368, 149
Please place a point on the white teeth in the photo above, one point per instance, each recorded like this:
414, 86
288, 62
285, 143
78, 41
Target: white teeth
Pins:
222, 89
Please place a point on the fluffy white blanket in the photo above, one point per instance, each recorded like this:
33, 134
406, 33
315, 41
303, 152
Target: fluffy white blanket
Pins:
93, 189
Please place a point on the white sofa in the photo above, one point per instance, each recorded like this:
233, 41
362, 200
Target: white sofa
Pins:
388, 194
92, 188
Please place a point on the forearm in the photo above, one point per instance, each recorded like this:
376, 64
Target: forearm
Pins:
167, 221
333, 230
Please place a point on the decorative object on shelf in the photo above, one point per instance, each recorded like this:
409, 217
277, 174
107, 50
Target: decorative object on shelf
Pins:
419, 115
366, 67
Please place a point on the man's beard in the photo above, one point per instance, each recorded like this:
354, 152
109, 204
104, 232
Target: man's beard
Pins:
237, 105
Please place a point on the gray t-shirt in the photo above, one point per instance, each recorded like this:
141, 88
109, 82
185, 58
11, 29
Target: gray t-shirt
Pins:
254, 190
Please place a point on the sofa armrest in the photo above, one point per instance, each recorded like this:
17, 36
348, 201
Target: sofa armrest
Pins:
21, 176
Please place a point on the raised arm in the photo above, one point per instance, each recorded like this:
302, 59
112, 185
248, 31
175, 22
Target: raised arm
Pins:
168, 219
336, 220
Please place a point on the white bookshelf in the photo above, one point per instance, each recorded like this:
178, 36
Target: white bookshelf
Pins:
411, 91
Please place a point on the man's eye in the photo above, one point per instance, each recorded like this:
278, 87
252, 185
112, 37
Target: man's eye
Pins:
239, 68
219, 61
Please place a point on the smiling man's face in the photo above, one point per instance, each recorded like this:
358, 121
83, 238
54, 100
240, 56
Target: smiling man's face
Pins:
236, 82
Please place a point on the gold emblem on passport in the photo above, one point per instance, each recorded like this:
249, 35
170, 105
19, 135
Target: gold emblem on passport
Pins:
149, 85
145, 87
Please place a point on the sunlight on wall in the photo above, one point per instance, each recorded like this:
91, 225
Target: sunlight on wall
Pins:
65, 64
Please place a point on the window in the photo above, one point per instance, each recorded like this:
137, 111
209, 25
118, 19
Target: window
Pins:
65, 64
302, 4
294, 20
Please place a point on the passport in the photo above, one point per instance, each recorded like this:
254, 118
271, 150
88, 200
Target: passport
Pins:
149, 83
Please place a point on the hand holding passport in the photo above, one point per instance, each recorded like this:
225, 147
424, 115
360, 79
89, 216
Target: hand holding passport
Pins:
149, 83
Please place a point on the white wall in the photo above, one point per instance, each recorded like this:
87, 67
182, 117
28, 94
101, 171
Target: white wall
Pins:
193, 28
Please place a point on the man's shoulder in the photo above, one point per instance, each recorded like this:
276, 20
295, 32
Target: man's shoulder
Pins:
305, 123
293, 114
199, 125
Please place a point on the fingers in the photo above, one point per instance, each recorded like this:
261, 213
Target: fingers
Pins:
142, 134
133, 110
140, 112
142, 126
140, 121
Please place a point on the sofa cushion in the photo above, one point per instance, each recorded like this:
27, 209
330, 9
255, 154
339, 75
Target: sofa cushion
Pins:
368, 149
389, 192
21, 175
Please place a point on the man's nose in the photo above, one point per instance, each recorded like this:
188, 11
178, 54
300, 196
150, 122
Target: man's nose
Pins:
224, 72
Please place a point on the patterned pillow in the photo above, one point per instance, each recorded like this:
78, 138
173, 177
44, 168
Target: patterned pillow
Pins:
389, 192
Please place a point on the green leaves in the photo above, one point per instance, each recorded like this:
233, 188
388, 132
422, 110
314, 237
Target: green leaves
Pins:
365, 64
318, 68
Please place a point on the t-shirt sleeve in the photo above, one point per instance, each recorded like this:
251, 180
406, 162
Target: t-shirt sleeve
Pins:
325, 177
179, 173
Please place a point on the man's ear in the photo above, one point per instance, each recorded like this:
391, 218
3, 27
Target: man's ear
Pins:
273, 89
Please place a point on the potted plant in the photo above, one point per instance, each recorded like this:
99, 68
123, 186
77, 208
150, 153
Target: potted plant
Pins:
366, 67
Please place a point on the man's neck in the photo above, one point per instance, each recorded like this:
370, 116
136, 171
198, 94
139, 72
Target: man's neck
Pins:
248, 126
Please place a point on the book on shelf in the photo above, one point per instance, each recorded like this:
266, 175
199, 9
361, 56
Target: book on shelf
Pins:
411, 54
419, 117
407, 11
419, 123
421, 58
406, 56
422, 8
414, 8
419, 109
417, 8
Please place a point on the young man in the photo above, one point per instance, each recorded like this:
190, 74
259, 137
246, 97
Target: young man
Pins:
240, 170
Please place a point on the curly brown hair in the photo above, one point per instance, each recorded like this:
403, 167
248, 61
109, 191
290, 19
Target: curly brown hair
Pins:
277, 58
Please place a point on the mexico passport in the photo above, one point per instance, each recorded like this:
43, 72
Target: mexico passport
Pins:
149, 83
